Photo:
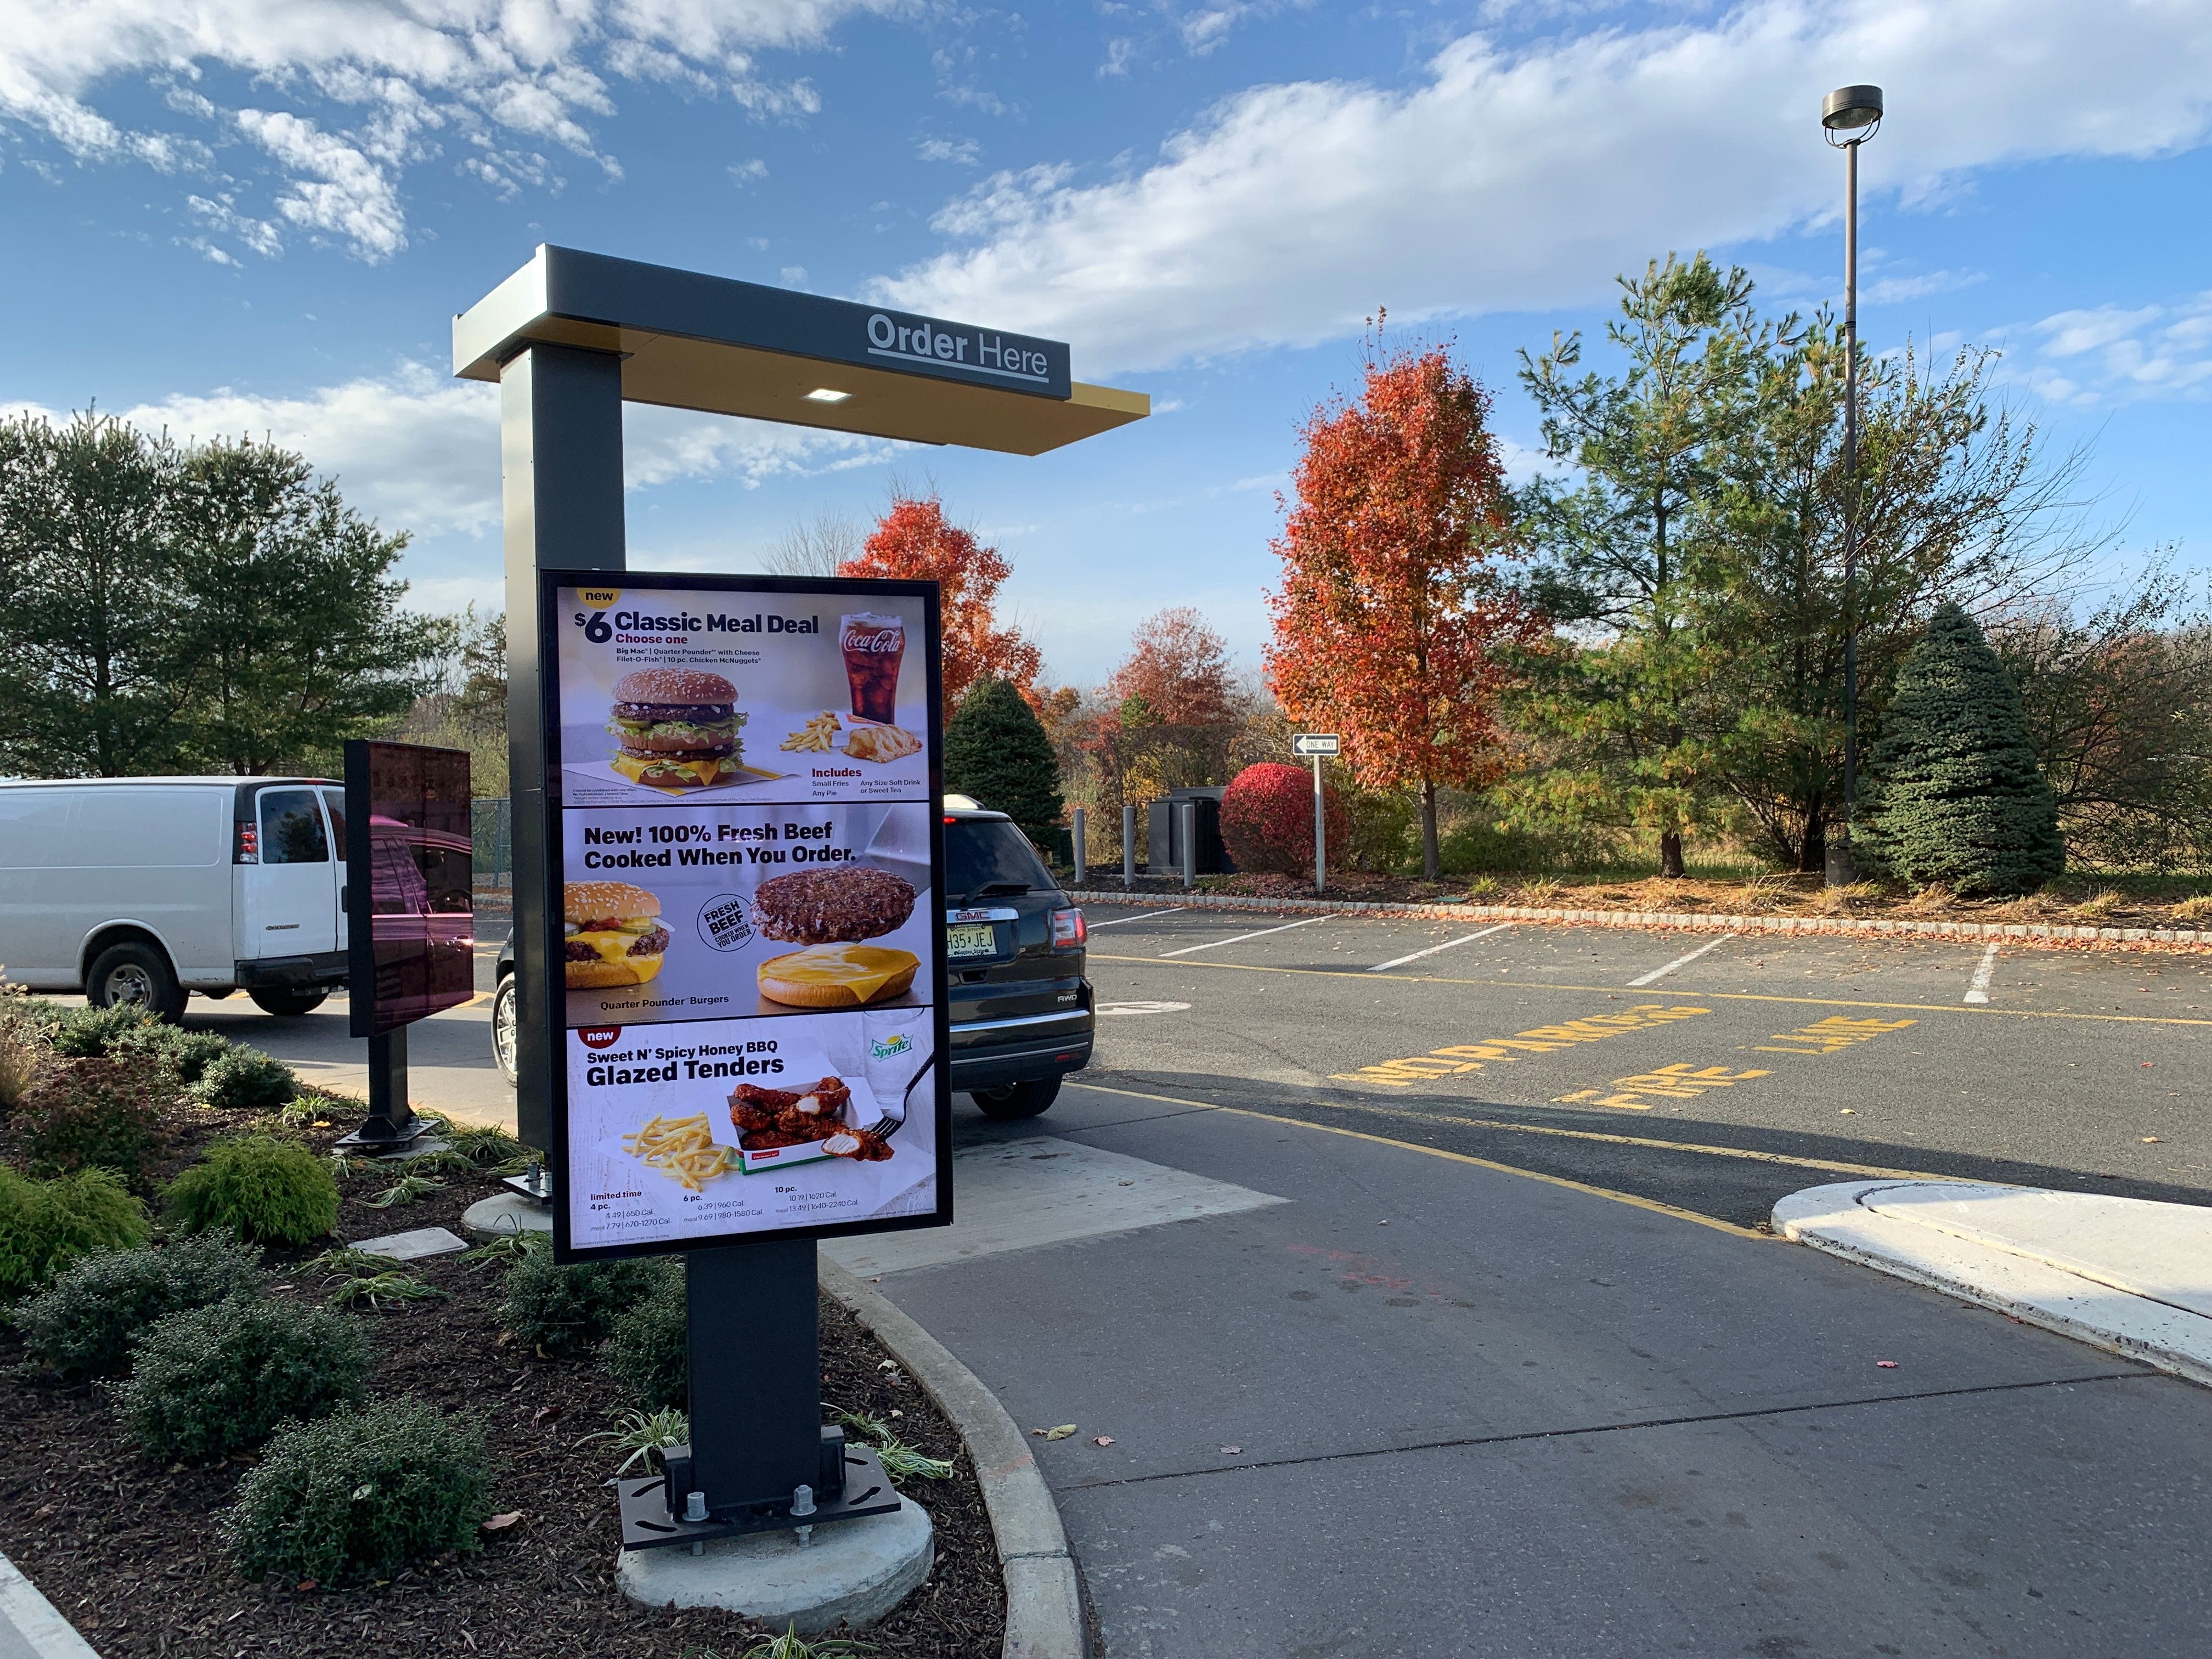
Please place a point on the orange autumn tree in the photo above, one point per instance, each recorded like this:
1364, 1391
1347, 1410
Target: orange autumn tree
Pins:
1390, 625
913, 542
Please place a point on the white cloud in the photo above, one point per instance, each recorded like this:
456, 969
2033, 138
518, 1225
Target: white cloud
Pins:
2113, 354
748, 173
350, 94
964, 153
1510, 178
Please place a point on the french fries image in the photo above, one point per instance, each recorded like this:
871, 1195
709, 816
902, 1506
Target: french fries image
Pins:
814, 737
683, 1147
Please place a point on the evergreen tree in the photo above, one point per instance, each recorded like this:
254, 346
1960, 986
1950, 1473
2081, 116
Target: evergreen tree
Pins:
996, 750
1959, 797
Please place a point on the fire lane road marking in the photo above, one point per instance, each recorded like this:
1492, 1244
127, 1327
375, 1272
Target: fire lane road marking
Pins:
1681, 1082
1679, 962
1457, 1058
1979, 990
1399, 962
1213, 945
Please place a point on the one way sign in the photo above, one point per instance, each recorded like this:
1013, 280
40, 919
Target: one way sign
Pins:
1306, 744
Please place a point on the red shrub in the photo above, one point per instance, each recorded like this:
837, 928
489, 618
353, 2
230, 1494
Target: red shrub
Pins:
1267, 820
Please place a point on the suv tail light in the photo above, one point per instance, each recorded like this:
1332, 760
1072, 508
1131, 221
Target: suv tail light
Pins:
249, 845
1069, 932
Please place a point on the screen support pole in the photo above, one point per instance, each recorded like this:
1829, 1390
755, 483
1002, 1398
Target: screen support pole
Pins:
561, 465
756, 1371
392, 1122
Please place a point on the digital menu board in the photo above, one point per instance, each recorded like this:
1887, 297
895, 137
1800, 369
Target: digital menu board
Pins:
742, 792
410, 881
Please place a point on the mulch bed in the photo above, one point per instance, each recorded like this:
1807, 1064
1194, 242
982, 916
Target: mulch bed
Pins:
128, 1549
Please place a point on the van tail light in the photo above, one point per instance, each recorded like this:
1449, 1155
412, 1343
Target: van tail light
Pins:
1069, 932
249, 844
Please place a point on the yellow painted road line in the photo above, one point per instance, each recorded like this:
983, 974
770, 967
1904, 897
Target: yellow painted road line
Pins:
1709, 996
1650, 1204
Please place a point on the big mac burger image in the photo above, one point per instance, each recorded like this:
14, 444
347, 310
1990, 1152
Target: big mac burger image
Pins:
613, 934
679, 728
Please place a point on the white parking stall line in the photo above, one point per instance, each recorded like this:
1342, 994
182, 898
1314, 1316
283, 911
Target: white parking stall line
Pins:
1681, 961
1979, 990
1212, 945
1399, 962
1141, 915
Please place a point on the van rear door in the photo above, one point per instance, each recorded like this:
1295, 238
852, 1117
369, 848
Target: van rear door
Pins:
291, 904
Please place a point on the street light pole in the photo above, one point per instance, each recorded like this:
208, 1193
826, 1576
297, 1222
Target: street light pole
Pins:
1855, 111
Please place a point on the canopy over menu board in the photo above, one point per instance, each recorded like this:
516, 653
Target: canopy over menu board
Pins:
741, 800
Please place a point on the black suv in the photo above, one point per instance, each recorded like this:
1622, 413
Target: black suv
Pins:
1019, 1003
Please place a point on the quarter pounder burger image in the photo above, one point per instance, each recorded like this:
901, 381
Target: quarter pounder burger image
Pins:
612, 934
679, 728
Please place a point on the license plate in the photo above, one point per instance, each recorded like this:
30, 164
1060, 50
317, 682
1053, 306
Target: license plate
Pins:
971, 938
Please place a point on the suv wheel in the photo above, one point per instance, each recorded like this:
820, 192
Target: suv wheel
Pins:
502, 1028
291, 1001
1016, 1100
136, 975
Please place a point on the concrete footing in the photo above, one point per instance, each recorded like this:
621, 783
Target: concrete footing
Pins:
506, 1212
855, 1571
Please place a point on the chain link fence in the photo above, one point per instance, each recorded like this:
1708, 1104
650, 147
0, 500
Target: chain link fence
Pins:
491, 825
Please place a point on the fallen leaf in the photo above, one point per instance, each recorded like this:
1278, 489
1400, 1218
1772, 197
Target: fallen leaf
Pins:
1230, 1451
501, 1523
1848, 1111
1102, 1440
2150, 1141
304, 1585
44, 1510
1887, 1364
547, 1413
1060, 1433
2147, 1063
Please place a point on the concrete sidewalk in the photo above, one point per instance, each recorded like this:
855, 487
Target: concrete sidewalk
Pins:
2130, 1276
1422, 1406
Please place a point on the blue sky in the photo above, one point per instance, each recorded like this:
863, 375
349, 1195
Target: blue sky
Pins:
259, 214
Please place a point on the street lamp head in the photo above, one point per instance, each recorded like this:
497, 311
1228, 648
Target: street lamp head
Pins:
1848, 109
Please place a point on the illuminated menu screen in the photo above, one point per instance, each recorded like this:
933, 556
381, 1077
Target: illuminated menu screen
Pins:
409, 883
744, 913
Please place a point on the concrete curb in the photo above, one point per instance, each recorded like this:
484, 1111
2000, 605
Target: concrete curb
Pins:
2040, 935
2033, 1288
1044, 1596
29, 1626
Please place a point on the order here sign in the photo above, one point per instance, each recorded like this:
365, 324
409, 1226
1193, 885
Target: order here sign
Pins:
742, 787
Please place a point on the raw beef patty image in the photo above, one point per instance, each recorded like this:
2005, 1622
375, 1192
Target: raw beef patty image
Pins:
832, 907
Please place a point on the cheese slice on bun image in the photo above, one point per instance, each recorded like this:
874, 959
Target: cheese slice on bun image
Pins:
838, 976
612, 934
679, 728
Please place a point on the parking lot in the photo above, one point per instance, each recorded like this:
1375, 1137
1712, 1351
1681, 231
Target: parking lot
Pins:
1709, 1072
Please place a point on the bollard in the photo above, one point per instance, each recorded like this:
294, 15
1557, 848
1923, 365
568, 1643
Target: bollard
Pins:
1128, 846
1190, 827
1082, 859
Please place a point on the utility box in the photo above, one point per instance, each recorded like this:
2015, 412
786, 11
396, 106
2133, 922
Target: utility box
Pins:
1163, 839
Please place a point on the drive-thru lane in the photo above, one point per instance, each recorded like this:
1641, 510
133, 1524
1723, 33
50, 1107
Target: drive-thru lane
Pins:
1424, 1408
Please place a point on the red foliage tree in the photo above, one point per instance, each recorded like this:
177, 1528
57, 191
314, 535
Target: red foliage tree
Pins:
1179, 667
1389, 624
913, 542
1267, 818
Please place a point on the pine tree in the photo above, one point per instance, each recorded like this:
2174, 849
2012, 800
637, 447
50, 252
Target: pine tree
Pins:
1959, 798
996, 750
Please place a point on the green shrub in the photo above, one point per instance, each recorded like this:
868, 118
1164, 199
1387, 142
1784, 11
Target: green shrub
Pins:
83, 1032
244, 1079
565, 1309
185, 1056
361, 1494
45, 1225
86, 1319
209, 1379
267, 1190
21, 1056
649, 1352
98, 1112
1957, 797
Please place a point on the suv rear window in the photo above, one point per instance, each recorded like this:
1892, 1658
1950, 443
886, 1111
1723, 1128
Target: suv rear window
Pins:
979, 853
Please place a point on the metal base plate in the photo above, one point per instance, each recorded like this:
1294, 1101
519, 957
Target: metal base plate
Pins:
648, 1525
411, 1131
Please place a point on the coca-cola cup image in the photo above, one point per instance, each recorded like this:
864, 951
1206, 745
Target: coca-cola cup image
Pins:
872, 646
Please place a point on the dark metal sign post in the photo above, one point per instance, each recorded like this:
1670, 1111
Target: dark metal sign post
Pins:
568, 338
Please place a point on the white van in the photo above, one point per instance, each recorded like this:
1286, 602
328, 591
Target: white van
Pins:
145, 890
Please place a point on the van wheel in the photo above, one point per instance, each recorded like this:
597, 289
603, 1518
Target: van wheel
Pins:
502, 1028
1016, 1100
290, 1001
139, 976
